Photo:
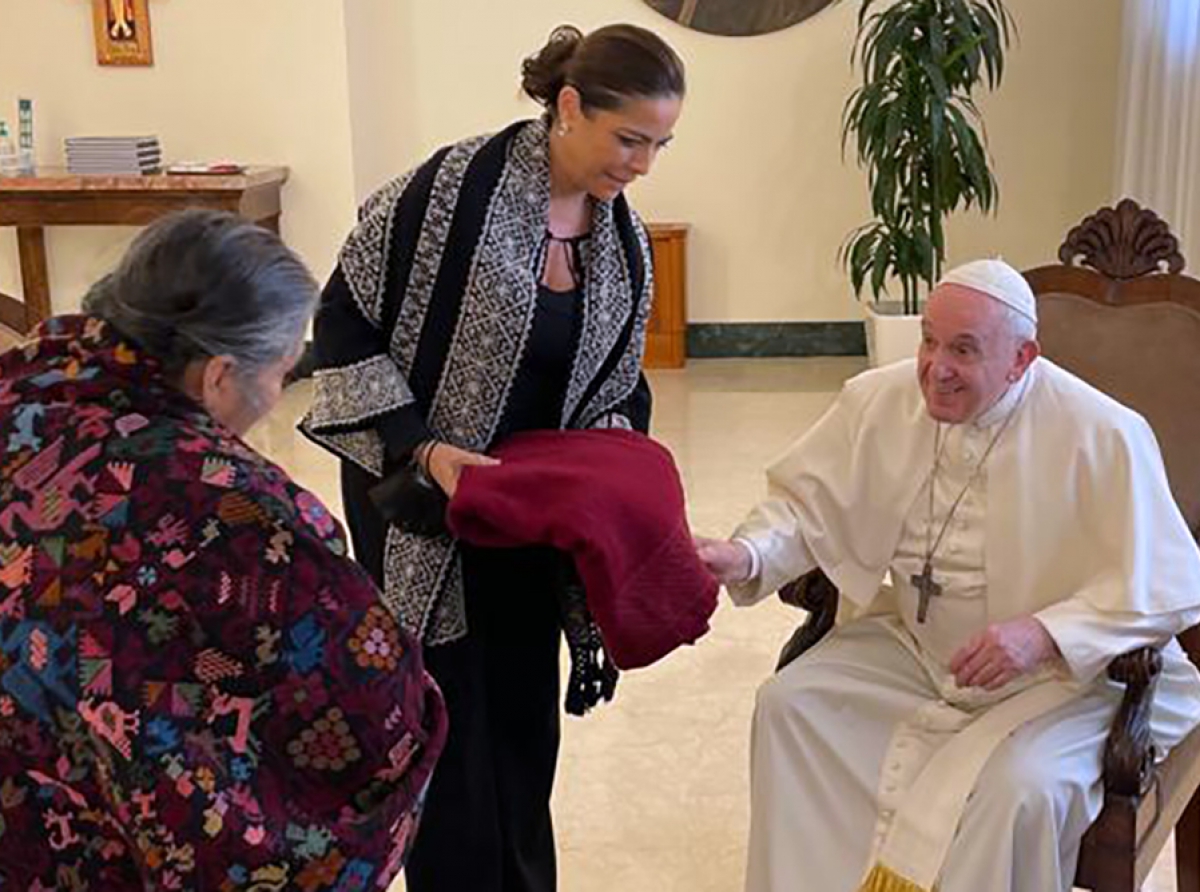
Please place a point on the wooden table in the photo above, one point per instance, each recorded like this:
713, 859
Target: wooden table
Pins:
59, 198
666, 332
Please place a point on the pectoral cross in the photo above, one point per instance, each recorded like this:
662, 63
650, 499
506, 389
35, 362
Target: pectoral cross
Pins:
927, 588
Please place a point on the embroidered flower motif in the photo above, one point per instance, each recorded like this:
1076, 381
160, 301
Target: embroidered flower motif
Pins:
214, 823
355, 877
327, 745
321, 874
241, 769
161, 736
303, 694
160, 627
311, 842
376, 643
315, 513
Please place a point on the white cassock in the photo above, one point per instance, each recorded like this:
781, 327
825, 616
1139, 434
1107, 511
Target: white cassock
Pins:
871, 768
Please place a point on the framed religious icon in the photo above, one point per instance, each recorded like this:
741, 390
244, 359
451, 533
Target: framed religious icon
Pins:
738, 18
122, 32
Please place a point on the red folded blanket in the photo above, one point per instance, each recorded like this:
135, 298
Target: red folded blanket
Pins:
613, 500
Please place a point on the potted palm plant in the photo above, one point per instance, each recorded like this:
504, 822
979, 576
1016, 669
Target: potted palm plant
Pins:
917, 131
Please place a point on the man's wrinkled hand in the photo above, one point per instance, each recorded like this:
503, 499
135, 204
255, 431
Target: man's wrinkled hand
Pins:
1003, 652
726, 560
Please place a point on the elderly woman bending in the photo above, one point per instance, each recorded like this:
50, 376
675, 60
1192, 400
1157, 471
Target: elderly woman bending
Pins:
198, 688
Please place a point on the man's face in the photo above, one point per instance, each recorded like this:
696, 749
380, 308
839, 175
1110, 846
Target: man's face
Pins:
968, 355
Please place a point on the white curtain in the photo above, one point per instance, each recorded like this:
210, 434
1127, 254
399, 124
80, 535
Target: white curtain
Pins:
1158, 146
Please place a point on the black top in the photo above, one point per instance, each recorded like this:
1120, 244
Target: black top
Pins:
540, 386
544, 374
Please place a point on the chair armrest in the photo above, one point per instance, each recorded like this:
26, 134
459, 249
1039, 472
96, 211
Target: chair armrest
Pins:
1129, 751
816, 594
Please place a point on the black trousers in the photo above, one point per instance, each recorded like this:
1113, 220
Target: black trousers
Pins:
487, 825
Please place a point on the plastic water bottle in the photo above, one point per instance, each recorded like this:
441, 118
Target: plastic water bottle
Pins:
10, 162
25, 138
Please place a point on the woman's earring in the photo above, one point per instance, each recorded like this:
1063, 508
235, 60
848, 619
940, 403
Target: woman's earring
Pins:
563, 129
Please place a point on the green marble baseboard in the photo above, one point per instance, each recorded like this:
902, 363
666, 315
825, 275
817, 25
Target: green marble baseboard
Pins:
760, 339
710, 340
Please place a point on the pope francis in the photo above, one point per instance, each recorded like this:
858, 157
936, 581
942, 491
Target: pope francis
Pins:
999, 531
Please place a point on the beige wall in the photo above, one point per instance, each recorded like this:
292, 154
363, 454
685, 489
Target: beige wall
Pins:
1052, 129
381, 72
257, 80
756, 168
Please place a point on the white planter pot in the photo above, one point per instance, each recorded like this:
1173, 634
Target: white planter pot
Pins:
892, 335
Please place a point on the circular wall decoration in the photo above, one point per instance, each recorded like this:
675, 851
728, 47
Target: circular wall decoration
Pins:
738, 18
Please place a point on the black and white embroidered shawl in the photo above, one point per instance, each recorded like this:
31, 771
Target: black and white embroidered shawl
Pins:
442, 274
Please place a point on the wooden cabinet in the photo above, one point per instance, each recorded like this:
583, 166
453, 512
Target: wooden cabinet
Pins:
666, 334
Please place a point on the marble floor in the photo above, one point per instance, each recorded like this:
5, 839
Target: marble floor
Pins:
651, 792
652, 789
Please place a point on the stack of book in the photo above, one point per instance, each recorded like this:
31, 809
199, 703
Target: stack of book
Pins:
114, 155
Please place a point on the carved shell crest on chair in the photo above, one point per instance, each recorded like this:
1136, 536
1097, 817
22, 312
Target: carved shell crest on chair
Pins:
1123, 243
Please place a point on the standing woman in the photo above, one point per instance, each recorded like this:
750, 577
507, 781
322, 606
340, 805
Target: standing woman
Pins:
503, 285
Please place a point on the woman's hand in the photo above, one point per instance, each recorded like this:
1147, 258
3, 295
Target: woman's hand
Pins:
445, 463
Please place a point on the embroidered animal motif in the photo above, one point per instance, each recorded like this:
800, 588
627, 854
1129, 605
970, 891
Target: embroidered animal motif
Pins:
112, 724
54, 499
24, 419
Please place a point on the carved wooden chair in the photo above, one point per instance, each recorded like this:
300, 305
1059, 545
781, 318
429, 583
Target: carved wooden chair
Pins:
1119, 313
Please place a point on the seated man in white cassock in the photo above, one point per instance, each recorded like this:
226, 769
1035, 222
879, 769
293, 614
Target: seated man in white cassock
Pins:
948, 734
